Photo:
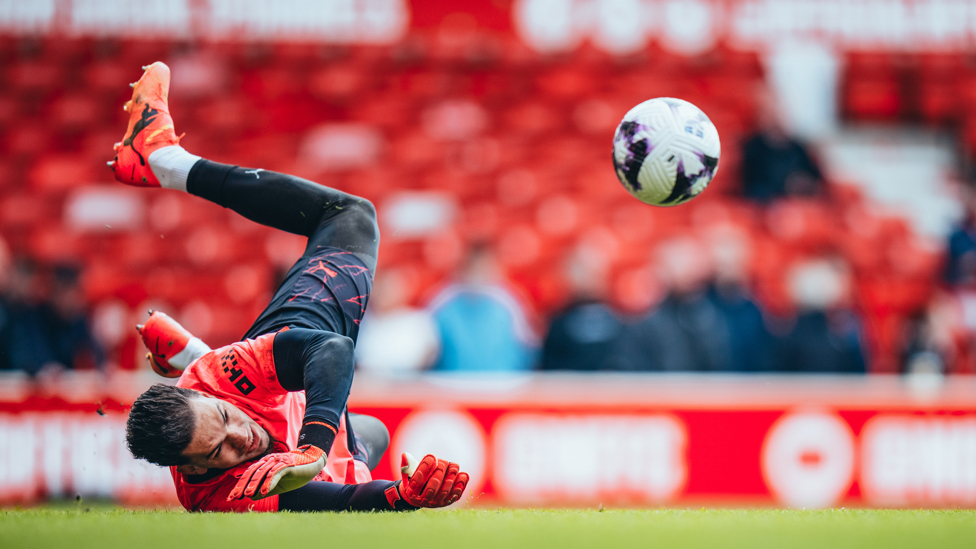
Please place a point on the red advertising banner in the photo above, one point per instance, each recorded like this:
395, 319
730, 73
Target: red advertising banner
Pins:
583, 441
797, 442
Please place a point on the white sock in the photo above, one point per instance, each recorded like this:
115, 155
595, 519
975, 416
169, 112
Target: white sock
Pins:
171, 165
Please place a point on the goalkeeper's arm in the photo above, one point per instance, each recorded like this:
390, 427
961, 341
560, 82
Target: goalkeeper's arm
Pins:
321, 364
431, 482
330, 496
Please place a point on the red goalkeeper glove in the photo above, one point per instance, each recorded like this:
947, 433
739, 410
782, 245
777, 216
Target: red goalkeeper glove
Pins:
278, 473
430, 483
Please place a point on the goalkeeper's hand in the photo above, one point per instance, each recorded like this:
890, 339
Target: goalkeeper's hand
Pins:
429, 483
277, 473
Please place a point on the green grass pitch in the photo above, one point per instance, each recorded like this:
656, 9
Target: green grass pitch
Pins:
102, 528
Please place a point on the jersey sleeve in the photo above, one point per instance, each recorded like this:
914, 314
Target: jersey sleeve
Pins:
321, 364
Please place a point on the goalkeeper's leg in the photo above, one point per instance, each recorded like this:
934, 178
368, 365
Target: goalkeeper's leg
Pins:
150, 155
373, 435
327, 216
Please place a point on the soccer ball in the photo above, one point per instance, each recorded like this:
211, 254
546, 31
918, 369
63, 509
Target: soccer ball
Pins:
665, 151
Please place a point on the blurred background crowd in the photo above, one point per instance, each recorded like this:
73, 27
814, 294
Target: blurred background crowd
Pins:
508, 244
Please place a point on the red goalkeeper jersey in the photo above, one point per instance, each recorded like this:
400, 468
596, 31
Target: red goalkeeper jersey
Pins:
244, 374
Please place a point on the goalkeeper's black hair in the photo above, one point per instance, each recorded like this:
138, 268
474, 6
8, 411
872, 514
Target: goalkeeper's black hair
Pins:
160, 425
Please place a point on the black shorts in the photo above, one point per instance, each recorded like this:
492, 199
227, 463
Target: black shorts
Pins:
327, 289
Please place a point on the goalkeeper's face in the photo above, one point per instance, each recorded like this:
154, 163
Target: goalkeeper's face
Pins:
223, 437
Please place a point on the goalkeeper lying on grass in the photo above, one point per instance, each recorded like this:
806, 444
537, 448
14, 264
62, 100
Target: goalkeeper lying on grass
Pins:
262, 424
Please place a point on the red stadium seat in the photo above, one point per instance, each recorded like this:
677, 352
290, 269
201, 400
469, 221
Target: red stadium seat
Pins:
340, 82
745, 64
422, 84
67, 52
25, 209
76, 111
9, 108
415, 149
389, 111
939, 102
141, 51
939, 81
109, 76
97, 143
567, 82
635, 225
27, 140
941, 66
518, 247
142, 249
227, 116
874, 98
11, 174
51, 243
871, 88
246, 282
532, 117
104, 279
866, 255
36, 78
62, 172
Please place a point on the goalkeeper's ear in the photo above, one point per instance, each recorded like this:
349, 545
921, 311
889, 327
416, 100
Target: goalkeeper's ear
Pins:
190, 470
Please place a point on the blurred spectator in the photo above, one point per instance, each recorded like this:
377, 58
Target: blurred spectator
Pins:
688, 331
774, 164
24, 343
395, 337
66, 322
482, 325
585, 334
41, 337
826, 335
961, 252
752, 346
5, 266
950, 327
921, 352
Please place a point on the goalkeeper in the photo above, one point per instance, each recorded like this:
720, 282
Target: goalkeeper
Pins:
262, 424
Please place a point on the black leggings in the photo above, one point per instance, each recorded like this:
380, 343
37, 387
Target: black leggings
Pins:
374, 436
329, 496
326, 216
343, 239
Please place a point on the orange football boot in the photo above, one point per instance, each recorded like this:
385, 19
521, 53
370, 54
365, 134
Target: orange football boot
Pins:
171, 346
150, 128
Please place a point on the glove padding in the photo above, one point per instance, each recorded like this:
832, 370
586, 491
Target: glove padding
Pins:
278, 473
432, 482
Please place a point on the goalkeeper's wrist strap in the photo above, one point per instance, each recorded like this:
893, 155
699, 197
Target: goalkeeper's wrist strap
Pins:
395, 500
317, 433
